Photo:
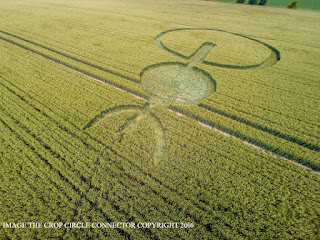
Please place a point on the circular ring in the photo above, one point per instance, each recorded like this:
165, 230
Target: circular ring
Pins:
270, 61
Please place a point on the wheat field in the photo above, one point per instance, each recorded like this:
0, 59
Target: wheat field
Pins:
197, 112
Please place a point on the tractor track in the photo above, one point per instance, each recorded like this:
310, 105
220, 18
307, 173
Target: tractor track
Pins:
303, 165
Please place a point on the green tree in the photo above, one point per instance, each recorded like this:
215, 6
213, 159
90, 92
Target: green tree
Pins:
263, 2
253, 2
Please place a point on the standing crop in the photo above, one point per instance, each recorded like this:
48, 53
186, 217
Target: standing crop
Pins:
166, 83
175, 82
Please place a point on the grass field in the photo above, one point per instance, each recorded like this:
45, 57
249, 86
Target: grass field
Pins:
90, 133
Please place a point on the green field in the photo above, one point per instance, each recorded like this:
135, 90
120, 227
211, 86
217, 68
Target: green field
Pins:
159, 111
304, 4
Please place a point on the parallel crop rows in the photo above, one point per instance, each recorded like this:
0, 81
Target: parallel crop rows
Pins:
295, 148
53, 170
73, 180
121, 189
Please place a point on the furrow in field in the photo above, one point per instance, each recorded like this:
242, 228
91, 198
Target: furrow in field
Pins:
228, 189
27, 40
232, 84
61, 173
46, 144
61, 143
299, 109
98, 189
192, 192
62, 123
62, 86
146, 182
245, 133
216, 148
287, 156
37, 89
304, 135
150, 176
52, 158
93, 57
188, 209
105, 57
121, 190
61, 135
28, 170
41, 163
70, 57
205, 168
225, 152
84, 68
61, 163
260, 112
46, 177
211, 107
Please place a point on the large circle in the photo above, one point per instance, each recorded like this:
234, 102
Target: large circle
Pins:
273, 58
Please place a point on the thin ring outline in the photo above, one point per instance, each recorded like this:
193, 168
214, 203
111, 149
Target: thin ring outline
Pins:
275, 53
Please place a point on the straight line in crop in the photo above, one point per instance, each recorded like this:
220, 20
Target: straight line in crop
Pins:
104, 81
